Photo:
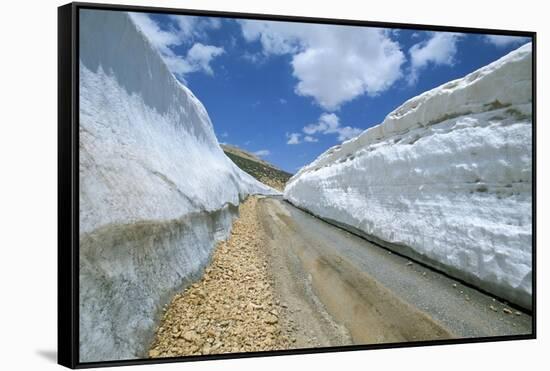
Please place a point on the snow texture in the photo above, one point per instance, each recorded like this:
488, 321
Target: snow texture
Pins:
446, 178
156, 190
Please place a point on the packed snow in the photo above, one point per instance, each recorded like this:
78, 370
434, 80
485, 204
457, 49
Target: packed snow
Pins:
156, 190
446, 178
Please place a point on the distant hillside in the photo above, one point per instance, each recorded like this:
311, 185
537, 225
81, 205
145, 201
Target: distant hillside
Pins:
258, 168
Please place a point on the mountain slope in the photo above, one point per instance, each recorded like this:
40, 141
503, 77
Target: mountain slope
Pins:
446, 178
258, 168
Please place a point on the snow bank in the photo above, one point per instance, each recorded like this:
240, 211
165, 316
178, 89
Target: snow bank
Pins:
156, 190
446, 178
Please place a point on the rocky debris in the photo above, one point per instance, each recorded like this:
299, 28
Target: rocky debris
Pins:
233, 308
190, 336
275, 183
271, 319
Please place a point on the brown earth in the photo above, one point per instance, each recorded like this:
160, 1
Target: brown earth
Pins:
262, 170
233, 308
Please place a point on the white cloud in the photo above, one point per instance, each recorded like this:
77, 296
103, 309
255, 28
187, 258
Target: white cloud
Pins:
439, 49
293, 138
190, 28
185, 30
159, 38
225, 134
275, 37
254, 58
262, 153
333, 64
395, 32
213, 22
310, 139
200, 56
282, 100
329, 123
501, 41
186, 27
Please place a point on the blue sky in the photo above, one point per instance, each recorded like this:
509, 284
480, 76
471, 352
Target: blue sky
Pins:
289, 91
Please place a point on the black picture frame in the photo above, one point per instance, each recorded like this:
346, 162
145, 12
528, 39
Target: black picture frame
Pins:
68, 182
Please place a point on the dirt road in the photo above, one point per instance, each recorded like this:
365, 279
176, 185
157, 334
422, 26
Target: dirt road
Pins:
286, 279
377, 296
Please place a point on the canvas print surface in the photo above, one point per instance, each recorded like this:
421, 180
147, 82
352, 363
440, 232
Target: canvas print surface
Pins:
251, 185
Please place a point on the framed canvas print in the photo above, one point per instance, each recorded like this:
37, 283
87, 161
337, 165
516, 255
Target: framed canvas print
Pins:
235, 185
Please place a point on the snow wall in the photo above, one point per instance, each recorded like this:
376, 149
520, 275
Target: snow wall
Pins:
446, 179
156, 190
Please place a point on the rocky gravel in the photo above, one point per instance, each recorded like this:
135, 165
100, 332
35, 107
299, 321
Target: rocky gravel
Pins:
234, 307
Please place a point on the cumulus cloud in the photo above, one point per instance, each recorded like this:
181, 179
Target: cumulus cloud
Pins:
184, 30
275, 37
293, 138
200, 56
501, 41
439, 49
310, 139
262, 153
329, 123
333, 64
